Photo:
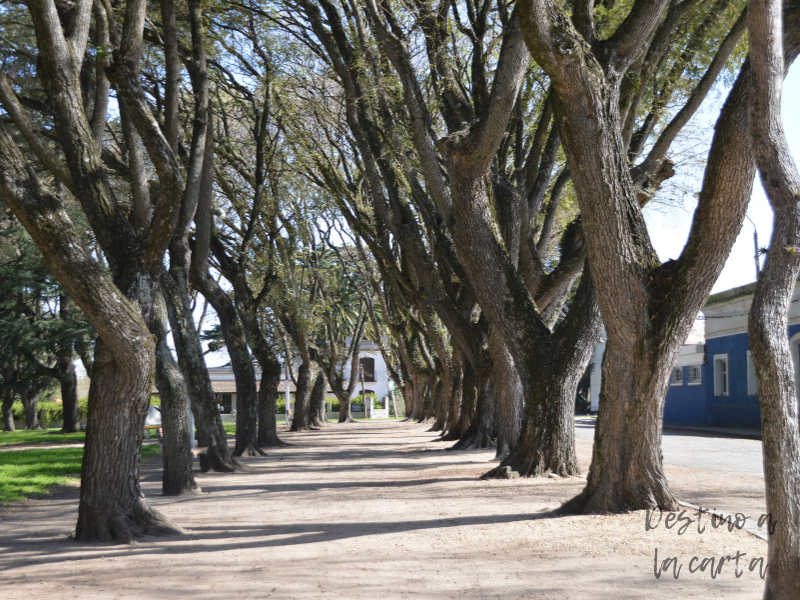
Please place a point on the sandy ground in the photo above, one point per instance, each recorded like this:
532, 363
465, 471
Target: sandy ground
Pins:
380, 510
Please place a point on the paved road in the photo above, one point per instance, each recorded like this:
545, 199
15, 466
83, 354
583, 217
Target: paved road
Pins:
703, 451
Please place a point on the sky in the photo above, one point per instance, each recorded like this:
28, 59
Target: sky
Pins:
669, 230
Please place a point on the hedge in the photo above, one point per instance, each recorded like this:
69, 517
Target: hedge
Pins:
49, 412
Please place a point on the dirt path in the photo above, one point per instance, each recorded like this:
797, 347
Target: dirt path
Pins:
379, 511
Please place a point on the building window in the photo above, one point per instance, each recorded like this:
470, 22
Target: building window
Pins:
224, 403
677, 376
695, 375
752, 383
721, 387
367, 369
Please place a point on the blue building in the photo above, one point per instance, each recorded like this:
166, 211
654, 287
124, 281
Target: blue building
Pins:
714, 384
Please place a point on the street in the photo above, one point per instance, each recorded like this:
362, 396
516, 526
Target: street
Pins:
702, 451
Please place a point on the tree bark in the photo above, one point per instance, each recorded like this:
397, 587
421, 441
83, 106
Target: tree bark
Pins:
481, 431
177, 478
307, 376
242, 362
8, 415
508, 395
267, 397
69, 383
30, 404
767, 325
547, 441
648, 307
210, 430
317, 416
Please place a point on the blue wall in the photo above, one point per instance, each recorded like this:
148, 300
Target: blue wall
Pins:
686, 404
737, 409
697, 405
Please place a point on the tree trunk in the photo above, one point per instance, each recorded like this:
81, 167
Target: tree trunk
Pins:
508, 395
69, 382
210, 431
444, 393
481, 432
467, 405
455, 399
69, 393
345, 415
177, 478
307, 376
267, 397
112, 503
30, 403
777, 394
769, 312
547, 441
317, 416
8, 415
244, 372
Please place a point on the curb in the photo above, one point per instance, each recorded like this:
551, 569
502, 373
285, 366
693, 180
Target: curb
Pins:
748, 528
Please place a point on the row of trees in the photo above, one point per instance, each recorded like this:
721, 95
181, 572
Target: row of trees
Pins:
462, 182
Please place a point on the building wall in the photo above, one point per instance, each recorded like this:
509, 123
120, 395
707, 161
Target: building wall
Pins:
685, 403
381, 384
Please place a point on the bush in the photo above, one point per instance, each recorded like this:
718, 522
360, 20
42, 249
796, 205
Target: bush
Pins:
48, 411
359, 400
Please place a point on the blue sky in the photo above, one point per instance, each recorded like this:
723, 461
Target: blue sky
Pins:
669, 230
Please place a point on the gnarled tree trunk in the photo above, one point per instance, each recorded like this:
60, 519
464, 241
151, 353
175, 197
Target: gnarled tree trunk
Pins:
267, 397
210, 430
769, 312
65, 365
177, 478
307, 376
30, 404
8, 415
547, 441
317, 416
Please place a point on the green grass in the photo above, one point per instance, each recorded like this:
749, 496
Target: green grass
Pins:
50, 436
230, 428
31, 473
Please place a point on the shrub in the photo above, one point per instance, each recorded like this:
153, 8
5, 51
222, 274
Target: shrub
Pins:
49, 412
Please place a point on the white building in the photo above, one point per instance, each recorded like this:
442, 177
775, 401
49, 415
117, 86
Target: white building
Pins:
373, 378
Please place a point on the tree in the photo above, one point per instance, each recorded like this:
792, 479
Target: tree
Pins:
776, 284
112, 506
647, 307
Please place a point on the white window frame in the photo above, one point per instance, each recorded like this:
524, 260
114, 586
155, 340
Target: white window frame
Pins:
752, 382
722, 387
676, 380
699, 380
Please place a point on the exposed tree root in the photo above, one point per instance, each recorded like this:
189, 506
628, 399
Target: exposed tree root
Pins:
124, 526
214, 461
252, 450
478, 440
272, 442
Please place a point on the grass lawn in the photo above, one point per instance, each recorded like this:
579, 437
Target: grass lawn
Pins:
33, 472
50, 436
